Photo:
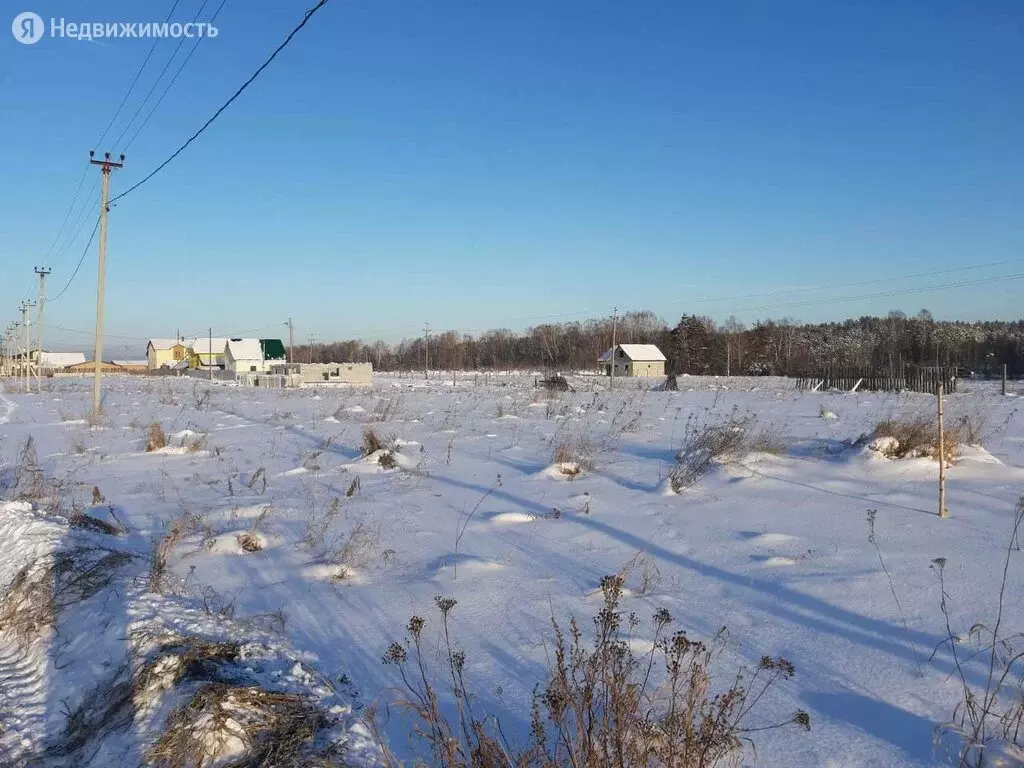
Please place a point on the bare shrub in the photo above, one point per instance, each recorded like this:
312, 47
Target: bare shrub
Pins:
164, 546
355, 549
155, 438
916, 435
573, 455
706, 445
79, 519
353, 488
601, 706
555, 383
29, 482
372, 442
387, 460
386, 409
988, 721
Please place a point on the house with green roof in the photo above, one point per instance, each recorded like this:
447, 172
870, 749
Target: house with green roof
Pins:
273, 351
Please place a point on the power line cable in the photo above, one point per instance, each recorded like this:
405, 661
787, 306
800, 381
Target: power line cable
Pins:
159, 77
173, 80
135, 80
77, 266
67, 213
235, 95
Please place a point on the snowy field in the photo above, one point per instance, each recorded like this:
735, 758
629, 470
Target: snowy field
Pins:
469, 503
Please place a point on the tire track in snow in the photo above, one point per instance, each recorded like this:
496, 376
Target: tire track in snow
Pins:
24, 688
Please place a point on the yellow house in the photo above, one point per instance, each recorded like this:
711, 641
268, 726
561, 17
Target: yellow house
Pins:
164, 352
206, 352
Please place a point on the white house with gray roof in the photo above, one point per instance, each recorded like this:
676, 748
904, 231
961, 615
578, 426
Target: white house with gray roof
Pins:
644, 360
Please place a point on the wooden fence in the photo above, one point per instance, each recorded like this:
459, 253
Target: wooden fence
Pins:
911, 378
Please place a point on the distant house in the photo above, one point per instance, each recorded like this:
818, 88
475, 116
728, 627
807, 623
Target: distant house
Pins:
644, 360
50, 362
273, 351
87, 367
244, 356
132, 366
165, 352
206, 353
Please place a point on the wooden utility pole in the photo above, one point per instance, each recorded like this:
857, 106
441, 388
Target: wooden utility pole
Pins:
106, 166
426, 351
611, 371
26, 358
943, 512
210, 330
42, 272
291, 341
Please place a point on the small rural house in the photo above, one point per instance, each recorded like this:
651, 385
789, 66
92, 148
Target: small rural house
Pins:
49, 362
206, 353
644, 360
165, 352
244, 356
87, 367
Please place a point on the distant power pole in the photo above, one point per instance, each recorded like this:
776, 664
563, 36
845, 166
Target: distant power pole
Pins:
42, 272
310, 356
106, 166
211, 352
611, 371
291, 341
426, 351
26, 359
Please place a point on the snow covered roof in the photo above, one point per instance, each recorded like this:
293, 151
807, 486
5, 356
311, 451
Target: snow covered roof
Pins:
203, 344
164, 343
61, 359
636, 352
245, 349
129, 362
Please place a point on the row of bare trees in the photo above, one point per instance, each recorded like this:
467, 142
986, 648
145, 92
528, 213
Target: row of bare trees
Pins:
698, 345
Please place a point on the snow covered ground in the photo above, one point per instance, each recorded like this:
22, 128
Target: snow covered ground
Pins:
773, 546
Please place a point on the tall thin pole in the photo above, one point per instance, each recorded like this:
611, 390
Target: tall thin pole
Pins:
291, 341
106, 166
943, 512
615, 319
42, 272
211, 352
26, 357
426, 351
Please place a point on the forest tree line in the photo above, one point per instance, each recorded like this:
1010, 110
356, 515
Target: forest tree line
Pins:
698, 345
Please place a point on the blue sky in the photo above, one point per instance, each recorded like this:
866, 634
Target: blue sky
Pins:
479, 164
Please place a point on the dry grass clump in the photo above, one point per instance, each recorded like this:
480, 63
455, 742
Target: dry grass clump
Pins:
372, 442
249, 542
115, 704
573, 456
916, 436
44, 588
238, 725
601, 706
164, 546
155, 438
709, 444
87, 522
